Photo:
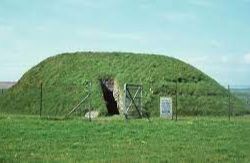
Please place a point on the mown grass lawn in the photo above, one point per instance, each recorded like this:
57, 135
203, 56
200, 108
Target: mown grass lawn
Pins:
191, 139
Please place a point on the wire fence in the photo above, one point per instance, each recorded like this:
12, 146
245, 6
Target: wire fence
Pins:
46, 100
2, 91
194, 100
58, 100
243, 94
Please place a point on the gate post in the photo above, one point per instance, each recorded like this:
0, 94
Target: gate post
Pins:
176, 100
90, 88
41, 98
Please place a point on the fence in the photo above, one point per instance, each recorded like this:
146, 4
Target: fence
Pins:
59, 99
243, 94
55, 100
231, 102
2, 91
195, 99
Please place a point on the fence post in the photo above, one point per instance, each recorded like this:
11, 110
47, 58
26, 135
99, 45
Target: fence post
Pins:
229, 103
41, 98
176, 100
90, 86
2, 91
172, 113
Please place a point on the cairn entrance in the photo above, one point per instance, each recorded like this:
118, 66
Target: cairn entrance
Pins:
107, 86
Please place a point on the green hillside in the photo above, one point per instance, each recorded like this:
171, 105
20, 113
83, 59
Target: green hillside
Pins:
65, 76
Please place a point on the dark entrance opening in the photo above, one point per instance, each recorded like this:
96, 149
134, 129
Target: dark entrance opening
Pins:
107, 90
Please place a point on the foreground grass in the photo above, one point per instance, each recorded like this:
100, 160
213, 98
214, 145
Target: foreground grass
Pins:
27, 138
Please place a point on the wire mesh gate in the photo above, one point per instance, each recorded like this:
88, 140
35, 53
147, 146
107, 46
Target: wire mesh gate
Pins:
133, 100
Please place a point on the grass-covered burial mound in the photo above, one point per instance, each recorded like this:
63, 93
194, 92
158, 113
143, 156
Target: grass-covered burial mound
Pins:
65, 79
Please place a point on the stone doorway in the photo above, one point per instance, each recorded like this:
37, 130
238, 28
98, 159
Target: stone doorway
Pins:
107, 86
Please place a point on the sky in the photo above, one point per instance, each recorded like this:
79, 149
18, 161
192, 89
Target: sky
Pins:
212, 35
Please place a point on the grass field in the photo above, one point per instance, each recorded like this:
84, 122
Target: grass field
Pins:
203, 139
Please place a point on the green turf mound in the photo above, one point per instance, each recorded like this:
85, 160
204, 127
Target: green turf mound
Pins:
64, 78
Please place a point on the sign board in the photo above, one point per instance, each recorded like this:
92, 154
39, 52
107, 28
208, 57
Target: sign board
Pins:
166, 107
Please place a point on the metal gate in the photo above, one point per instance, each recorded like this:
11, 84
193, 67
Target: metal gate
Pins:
132, 100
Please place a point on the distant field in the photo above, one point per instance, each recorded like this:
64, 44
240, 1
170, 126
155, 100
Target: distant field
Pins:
244, 95
6, 85
204, 139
